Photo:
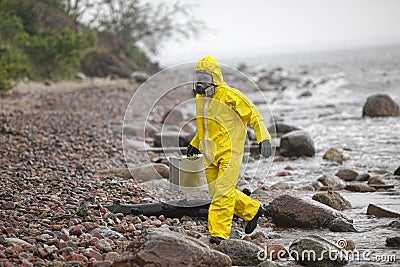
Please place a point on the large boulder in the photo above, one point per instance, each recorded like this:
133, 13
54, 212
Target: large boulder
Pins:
282, 128
379, 105
333, 200
167, 248
296, 144
317, 251
297, 211
241, 252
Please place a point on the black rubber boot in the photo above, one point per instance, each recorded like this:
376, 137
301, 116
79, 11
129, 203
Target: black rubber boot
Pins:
252, 224
216, 240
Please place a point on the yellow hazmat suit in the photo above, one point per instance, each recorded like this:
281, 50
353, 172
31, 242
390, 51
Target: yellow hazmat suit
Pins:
222, 121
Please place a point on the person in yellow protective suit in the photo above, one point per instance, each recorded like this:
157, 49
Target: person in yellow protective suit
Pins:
222, 116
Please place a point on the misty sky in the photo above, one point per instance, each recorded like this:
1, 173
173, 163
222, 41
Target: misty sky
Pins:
260, 27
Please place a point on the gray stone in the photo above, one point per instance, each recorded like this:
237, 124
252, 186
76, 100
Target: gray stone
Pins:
363, 177
106, 232
381, 212
297, 211
167, 248
331, 182
241, 252
380, 105
341, 225
296, 144
333, 200
317, 251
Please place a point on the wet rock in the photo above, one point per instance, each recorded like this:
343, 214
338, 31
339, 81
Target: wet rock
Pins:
395, 224
393, 242
282, 128
296, 211
331, 182
334, 154
363, 177
300, 249
341, 225
296, 144
347, 175
362, 188
242, 253
375, 180
333, 200
139, 76
381, 212
379, 105
397, 171
167, 248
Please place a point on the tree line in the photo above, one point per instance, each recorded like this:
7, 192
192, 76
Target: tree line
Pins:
49, 39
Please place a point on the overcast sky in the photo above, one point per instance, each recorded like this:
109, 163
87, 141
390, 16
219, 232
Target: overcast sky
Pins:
240, 29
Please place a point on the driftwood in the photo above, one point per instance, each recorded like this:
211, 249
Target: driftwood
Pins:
172, 209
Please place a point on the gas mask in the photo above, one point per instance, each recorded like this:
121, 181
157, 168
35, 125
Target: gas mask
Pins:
204, 84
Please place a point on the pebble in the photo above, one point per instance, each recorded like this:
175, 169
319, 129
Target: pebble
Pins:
103, 246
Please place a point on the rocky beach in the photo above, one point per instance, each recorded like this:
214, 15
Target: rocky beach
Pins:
333, 185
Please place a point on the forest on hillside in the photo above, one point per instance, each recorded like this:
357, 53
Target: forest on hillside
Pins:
55, 39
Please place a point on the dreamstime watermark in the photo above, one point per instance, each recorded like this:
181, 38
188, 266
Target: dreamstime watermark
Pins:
332, 254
